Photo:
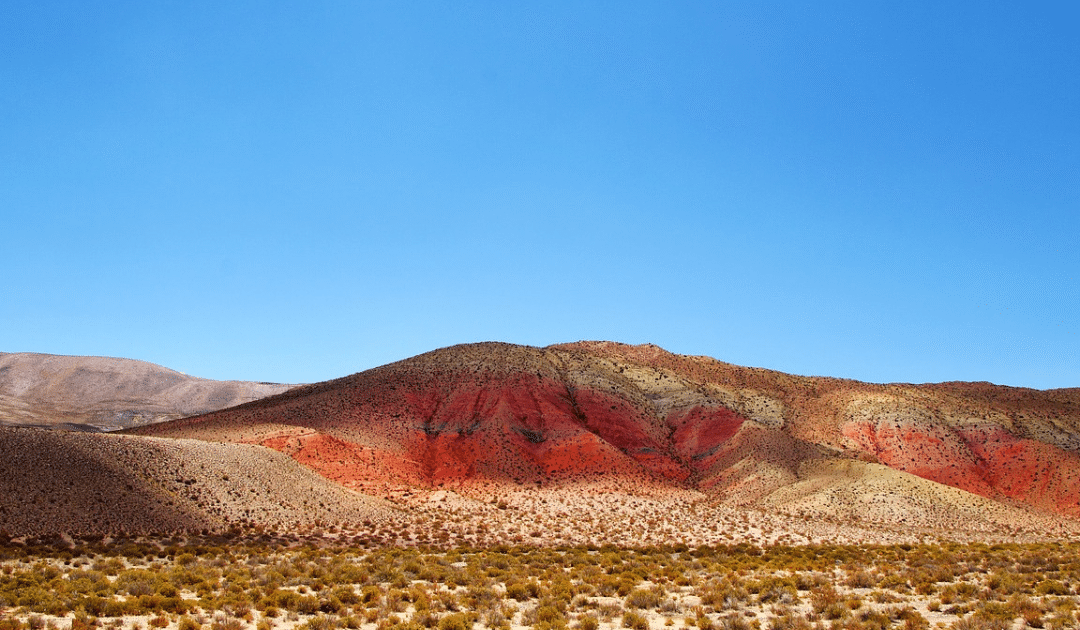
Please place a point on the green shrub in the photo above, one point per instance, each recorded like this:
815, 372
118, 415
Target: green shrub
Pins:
346, 595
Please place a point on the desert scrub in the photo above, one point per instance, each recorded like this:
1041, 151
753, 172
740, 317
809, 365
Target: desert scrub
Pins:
723, 595
299, 580
980, 622
634, 621
523, 591
499, 616
1052, 587
548, 616
644, 598
456, 621
826, 602
860, 579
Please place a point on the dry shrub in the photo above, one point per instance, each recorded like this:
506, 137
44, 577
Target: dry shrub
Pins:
980, 622
522, 591
914, 620
456, 621
1051, 587
701, 620
227, 623
826, 601
860, 579
734, 621
634, 621
642, 598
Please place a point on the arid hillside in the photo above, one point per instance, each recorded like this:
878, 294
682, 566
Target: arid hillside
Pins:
105, 394
74, 482
490, 420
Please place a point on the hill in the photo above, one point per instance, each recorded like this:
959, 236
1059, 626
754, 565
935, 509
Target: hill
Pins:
105, 394
61, 481
489, 421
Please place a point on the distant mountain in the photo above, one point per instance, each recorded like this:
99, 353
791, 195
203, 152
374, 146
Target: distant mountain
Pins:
106, 394
485, 420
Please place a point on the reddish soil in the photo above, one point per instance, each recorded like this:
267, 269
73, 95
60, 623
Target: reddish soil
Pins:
935, 453
986, 460
699, 432
1026, 470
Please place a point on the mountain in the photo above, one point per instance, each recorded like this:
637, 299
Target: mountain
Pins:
104, 394
490, 421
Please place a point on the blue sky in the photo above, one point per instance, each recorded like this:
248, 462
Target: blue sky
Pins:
886, 191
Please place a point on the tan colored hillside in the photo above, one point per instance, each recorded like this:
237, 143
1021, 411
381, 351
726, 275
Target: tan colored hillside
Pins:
60, 481
99, 393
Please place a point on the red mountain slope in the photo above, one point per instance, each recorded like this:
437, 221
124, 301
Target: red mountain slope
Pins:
497, 415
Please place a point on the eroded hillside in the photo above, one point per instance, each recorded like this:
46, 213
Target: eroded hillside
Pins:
487, 419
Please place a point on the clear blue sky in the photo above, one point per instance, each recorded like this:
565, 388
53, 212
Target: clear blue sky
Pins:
886, 191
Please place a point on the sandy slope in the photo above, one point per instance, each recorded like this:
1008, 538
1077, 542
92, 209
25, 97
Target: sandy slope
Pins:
99, 483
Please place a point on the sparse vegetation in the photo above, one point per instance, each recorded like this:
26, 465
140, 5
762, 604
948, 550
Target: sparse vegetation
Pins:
292, 583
